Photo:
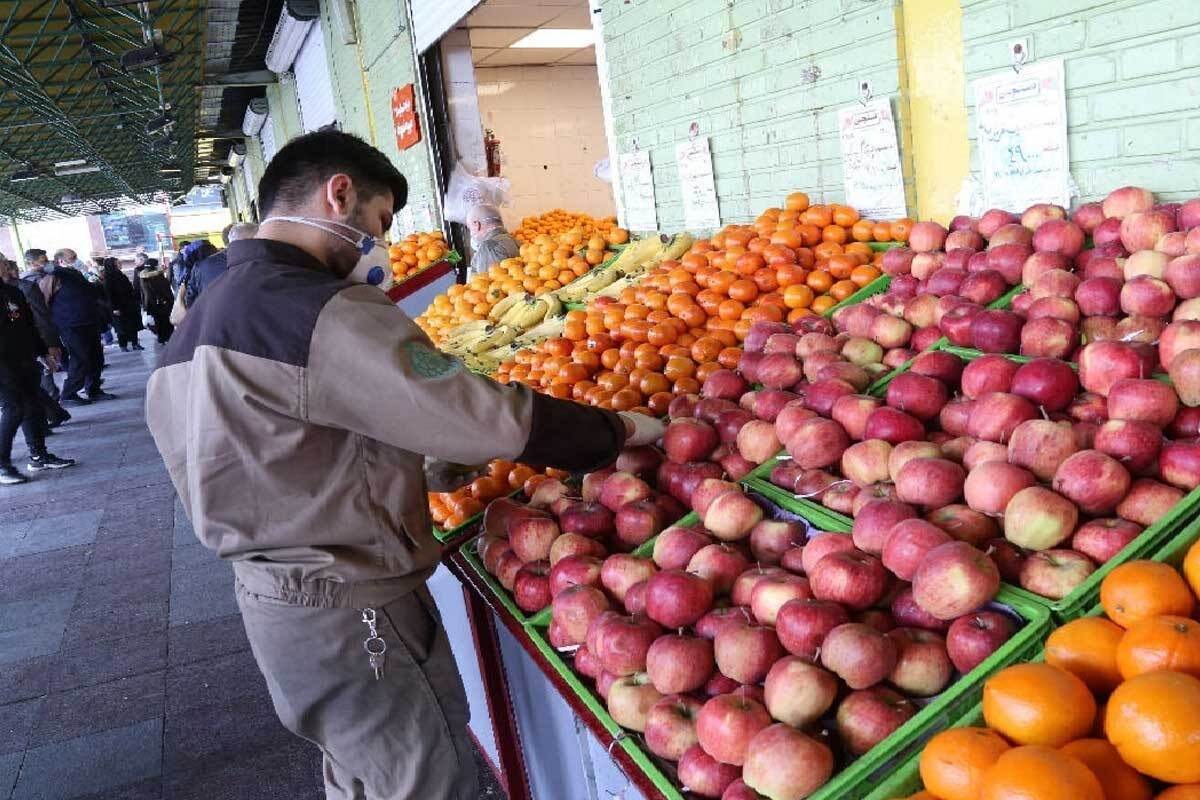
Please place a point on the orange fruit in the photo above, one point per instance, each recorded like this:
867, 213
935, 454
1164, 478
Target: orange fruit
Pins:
1038, 704
1191, 567
1189, 791
1138, 590
1160, 643
1118, 780
1039, 773
953, 762
1087, 648
1154, 722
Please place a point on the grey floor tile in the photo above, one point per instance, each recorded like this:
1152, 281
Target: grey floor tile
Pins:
213, 681
202, 593
54, 607
31, 641
115, 704
10, 765
210, 736
43, 573
93, 763
17, 721
290, 772
191, 555
126, 558
23, 680
92, 663
196, 641
115, 620
56, 533
149, 789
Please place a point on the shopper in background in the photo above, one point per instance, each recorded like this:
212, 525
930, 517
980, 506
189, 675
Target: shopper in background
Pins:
126, 314
307, 386
214, 266
193, 254
153, 292
20, 349
490, 242
75, 307
94, 273
175, 266
48, 390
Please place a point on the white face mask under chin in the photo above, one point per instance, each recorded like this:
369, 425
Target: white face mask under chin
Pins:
374, 268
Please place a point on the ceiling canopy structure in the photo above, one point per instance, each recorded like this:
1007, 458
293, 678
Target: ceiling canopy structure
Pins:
112, 103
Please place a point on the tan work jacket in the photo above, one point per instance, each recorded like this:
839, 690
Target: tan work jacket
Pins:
294, 410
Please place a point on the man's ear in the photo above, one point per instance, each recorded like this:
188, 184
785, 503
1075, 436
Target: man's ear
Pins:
338, 192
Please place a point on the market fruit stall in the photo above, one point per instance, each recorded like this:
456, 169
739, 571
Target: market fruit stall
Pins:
869, 515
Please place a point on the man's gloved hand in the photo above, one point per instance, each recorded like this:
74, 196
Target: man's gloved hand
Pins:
444, 476
641, 429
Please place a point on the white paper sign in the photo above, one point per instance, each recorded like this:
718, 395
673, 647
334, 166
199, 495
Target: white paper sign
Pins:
637, 186
1022, 137
700, 209
873, 177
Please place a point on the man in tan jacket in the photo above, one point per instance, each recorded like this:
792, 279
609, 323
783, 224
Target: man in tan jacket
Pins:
296, 409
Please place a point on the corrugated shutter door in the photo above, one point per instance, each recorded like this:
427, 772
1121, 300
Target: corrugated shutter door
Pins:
266, 138
313, 88
432, 18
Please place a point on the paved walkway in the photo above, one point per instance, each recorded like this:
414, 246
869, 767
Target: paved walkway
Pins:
124, 670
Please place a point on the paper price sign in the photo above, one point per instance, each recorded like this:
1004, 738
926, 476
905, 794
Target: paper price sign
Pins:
637, 187
694, 161
1022, 137
872, 175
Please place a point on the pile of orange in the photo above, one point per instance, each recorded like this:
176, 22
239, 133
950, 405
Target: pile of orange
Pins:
547, 262
687, 318
451, 509
1114, 712
415, 252
558, 221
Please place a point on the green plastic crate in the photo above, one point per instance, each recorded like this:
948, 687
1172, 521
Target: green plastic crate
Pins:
907, 779
861, 775
877, 286
1077, 603
817, 514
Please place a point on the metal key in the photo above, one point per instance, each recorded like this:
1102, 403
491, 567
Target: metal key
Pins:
375, 645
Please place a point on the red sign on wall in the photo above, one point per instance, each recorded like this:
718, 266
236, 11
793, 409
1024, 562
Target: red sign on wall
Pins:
404, 117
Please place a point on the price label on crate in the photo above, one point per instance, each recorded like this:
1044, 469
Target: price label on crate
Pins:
871, 169
1021, 133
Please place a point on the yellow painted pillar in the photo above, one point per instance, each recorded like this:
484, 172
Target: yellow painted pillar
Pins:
932, 88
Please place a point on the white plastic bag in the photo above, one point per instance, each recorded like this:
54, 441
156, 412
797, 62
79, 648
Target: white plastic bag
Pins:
466, 190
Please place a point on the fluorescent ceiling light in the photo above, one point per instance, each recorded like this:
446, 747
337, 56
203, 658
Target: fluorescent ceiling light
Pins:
23, 175
76, 170
73, 163
256, 115
564, 38
290, 33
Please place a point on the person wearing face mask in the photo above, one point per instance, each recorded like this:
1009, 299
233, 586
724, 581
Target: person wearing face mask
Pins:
490, 243
299, 413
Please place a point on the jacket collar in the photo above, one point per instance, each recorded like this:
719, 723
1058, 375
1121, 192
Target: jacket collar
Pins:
271, 250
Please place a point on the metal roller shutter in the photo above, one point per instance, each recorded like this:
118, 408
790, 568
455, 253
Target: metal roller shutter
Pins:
313, 88
266, 138
432, 18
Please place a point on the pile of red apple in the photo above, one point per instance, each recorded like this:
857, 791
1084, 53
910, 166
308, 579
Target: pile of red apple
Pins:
759, 653
1142, 272
618, 511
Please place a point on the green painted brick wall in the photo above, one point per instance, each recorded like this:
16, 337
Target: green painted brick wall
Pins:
1133, 83
363, 77
285, 110
763, 79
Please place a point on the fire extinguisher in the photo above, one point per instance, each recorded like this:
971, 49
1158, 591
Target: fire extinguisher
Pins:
491, 146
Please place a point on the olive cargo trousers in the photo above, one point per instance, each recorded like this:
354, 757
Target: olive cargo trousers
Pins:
398, 737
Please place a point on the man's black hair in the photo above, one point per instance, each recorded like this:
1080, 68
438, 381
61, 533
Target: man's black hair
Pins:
34, 253
309, 160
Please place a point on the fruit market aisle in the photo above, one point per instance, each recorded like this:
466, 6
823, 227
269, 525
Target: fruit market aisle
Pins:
124, 669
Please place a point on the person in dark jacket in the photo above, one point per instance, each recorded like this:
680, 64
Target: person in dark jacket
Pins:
47, 390
126, 313
75, 306
20, 348
214, 266
153, 292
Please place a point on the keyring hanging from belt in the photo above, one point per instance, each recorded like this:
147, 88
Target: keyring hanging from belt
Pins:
375, 646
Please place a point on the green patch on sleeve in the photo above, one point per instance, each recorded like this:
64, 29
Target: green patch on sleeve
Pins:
428, 363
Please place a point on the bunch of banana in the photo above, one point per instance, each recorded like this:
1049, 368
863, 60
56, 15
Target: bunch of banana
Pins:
502, 307
462, 338
495, 336
549, 328
531, 311
589, 284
